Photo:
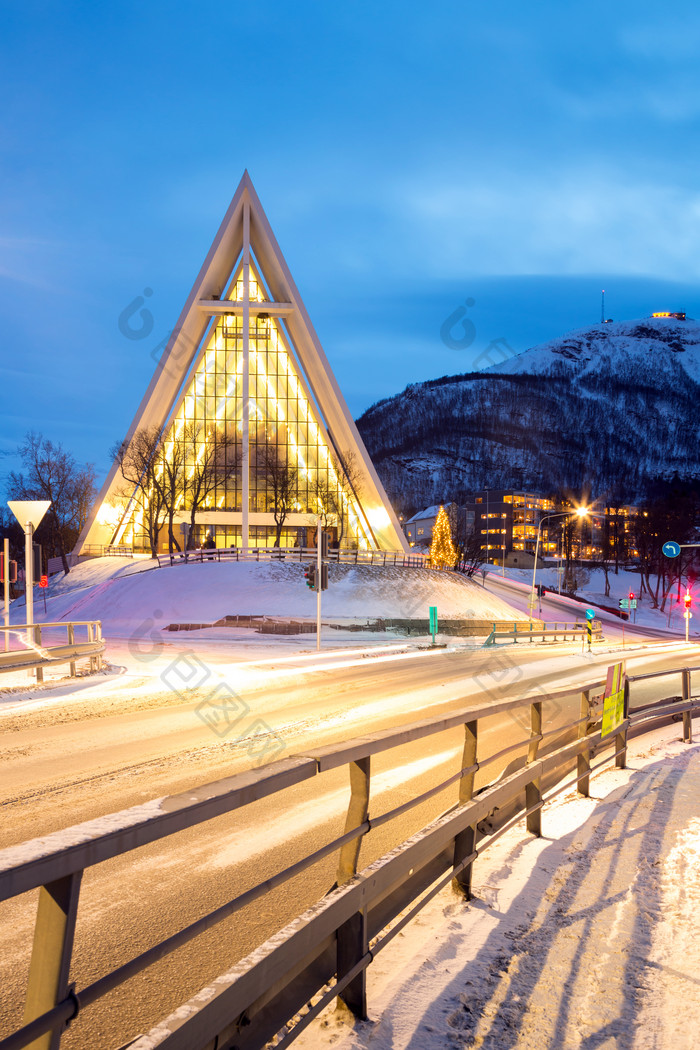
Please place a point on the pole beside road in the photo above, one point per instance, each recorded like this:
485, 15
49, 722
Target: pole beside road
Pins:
29, 514
6, 586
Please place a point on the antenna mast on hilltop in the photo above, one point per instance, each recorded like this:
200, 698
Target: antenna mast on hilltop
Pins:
602, 308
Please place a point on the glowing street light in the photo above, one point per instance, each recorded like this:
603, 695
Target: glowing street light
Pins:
580, 512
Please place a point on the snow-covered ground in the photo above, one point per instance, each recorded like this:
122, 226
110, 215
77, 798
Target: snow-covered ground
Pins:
124, 595
586, 937
593, 591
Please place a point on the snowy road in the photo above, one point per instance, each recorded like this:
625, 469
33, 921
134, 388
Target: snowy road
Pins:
129, 740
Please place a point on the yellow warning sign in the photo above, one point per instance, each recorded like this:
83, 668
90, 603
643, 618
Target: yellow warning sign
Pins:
613, 699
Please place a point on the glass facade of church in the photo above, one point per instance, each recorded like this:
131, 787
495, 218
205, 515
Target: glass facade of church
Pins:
290, 458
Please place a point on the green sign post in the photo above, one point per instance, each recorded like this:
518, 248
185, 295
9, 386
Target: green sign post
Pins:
433, 621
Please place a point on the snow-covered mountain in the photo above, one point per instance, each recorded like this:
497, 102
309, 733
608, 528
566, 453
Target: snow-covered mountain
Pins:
608, 408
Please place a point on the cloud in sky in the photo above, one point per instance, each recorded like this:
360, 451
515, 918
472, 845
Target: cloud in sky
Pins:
407, 156
571, 222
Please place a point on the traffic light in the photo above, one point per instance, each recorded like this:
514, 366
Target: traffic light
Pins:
687, 599
38, 568
541, 589
12, 565
324, 546
631, 596
310, 577
324, 577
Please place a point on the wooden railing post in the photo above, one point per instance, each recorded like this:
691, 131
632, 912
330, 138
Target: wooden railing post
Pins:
466, 840
687, 715
358, 809
621, 738
91, 638
583, 761
37, 639
353, 945
533, 790
71, 641
51, 953
353, 940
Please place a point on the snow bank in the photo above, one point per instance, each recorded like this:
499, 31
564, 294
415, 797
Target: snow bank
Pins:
592, 590
128, 598
585, 937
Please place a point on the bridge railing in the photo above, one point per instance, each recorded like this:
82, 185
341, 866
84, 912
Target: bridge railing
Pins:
344, 556
325, 952
34, 653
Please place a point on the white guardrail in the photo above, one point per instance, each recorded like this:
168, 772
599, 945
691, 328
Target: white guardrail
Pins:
36, 654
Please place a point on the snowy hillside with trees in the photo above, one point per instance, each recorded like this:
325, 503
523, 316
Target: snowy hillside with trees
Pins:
608, 408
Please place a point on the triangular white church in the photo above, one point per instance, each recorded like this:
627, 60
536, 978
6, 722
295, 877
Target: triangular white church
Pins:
244, 360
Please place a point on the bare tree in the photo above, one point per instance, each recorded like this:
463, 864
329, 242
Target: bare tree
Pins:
51, 473
142, 469
281, 478
332, 498
468, 547
213, 459
350, 475
606, 553
171, 461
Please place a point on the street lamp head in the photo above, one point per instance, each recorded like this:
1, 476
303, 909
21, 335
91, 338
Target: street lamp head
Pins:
582, 512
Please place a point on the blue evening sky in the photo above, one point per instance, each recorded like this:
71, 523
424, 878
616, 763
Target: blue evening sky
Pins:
410, 157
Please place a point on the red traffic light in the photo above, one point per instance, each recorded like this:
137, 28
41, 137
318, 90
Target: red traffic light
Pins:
631, 596
687, 599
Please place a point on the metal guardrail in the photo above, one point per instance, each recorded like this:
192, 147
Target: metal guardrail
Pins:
37, 655
300, 554
324, 952
558, 632
99, 550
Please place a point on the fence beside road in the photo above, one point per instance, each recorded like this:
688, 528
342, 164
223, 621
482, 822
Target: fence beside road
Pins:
345, 556
525, 631
38, 655
325, 952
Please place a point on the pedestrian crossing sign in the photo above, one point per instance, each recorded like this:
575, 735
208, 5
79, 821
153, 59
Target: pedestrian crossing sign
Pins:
613, 699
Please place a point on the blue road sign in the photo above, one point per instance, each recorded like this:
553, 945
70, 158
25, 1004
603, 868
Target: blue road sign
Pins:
671, 549
590, 614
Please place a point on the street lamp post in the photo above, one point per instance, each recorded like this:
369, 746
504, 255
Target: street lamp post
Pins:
580, 512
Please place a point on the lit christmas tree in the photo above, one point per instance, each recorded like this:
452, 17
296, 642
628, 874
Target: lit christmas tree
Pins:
442, 552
